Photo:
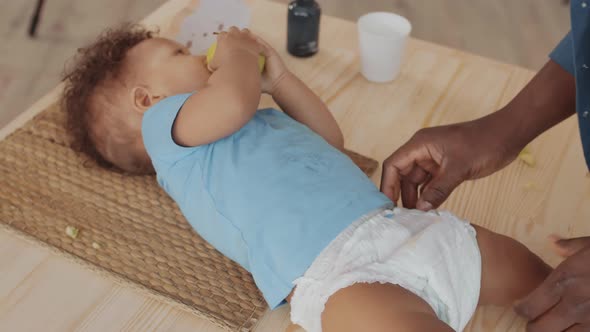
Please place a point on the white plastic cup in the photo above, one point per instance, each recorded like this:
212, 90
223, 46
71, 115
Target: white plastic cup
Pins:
382, 40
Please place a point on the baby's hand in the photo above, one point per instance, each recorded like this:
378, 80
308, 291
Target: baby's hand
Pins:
236, 45
274, 69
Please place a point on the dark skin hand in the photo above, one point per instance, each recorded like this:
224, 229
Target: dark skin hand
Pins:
436, 160
426, 169
562, 302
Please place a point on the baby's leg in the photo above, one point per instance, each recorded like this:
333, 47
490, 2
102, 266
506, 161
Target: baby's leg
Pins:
379, 308
509, 270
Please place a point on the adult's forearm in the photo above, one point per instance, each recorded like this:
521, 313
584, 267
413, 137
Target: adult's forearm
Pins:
548, 99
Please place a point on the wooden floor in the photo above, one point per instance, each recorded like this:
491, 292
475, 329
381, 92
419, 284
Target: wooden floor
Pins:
519, 32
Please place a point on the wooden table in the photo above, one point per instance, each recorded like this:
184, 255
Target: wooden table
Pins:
40, 291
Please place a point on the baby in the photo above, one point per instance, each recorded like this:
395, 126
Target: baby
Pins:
272, 190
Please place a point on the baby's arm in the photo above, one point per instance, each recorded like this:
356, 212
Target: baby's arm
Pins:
231, 96
297, 100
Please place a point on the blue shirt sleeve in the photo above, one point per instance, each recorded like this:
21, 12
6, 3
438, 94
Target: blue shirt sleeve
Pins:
156, 130
563, 53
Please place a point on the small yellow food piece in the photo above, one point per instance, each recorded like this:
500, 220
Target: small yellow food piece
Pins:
213, 48
527, 157
72, 231
531, 186
96, 245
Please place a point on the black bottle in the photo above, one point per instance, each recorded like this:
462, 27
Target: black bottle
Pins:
303, 28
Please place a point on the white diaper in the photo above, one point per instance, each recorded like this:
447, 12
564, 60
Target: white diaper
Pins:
432, 254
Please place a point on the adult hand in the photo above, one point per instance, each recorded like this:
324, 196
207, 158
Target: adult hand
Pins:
436, 160
562, 301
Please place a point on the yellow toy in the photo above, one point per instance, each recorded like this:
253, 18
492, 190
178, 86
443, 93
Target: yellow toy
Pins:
211, 54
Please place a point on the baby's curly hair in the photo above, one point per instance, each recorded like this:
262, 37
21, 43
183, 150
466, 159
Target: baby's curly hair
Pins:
97, 70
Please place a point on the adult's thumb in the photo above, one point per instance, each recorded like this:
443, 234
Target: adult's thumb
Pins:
568, 247
437, 191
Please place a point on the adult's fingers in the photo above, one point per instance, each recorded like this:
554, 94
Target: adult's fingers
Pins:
438, 190
410, 184
400, 163
555, 320
543, 297
568, 247
391, 180
579, 328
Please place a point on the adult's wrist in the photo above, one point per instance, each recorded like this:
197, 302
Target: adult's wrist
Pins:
500, 133
548, 99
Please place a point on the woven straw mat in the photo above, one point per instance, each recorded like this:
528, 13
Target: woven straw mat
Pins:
143, 239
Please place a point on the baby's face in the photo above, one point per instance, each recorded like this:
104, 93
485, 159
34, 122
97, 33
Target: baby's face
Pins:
167, 68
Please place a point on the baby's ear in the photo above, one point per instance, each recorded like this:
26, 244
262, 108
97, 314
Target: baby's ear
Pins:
142, 99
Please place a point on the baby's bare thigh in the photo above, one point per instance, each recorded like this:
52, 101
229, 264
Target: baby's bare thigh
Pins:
509, 271
379, 308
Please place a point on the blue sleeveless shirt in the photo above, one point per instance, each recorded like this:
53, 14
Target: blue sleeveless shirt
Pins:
270, 197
